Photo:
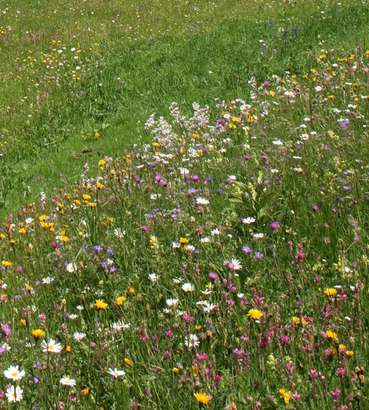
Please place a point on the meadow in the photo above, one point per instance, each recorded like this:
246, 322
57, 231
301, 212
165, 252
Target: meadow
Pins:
184, 197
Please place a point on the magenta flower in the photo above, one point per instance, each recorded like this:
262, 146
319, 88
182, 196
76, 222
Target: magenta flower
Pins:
341, 372
6, 330
336, 394
275, 226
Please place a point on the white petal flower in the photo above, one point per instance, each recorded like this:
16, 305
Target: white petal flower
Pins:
68, 381
191, 341
78, 336
51, 346
188, 287
202, 201
14, 394
116, 373
14, 373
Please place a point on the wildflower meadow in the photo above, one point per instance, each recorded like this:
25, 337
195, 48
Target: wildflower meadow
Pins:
196, 238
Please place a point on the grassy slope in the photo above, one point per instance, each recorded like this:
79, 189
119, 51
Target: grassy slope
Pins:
160, 57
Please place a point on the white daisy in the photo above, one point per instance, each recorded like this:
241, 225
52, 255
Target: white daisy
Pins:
248, 221
51, 346
116, 373
14, 373
78, 336
14, 394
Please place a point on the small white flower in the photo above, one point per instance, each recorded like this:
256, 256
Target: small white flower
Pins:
258, 235
71, 267
206, 239
79, 336
207, 307
116, 373
153, 277
120, 326
119, 233
233, 264
47, 280
188, 287
202, 201
14, 373
215, 232
277, 142
184, 171
67, 381
191, 341
248, 221
172, 302
14, 394
51, 346
190, 248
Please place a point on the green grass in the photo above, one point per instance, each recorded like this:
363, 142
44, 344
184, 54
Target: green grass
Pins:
164, 61
251, 220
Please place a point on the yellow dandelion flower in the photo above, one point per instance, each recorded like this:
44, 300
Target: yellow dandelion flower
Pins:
119, 300
255, 314
285, 395
6, 264
100, 304
330, 292
38, 333
202, 398
331, 335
